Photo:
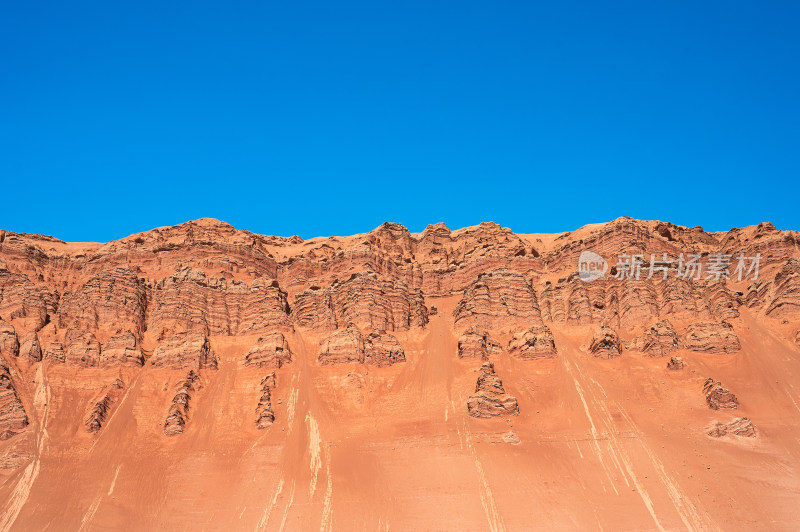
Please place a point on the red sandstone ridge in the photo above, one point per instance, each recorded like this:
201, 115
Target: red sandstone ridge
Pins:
201, 376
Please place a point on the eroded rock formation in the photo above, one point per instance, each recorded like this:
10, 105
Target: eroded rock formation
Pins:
660, 340
382, 350
630, 303
178, 414
717, 396
605, 343
675, 363
101, 408
490, 398
342, 347
778, 297
498, 299
184, 351
55, 351
270, 351
264, 413
350, 346
710, 337
83, 349
476, 342
114, 298
23, 302
121, 350
13, 418
366, 300
536, 342
741, 426
188, 300
9, 342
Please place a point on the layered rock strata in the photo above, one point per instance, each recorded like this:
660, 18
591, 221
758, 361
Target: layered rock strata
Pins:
490, 398
269, 351
476, 342
101, 408
717, 396
364, 299
178, 413
498, 299
711, 337
536, 342
605, 343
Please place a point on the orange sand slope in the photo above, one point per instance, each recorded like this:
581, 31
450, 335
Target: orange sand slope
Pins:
203, 377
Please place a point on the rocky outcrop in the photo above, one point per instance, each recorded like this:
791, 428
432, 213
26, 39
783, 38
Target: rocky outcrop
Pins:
382, 350
13, 418
184, 351
711, 337
30, 347
785, 300
605, 343
717, 396
24, 303
264, 414
659, 341
536, 342
9, 342
498, 300
675, 363
490, 398
116, 298
350, 346
741, 426
121, 350
722, 303
631, 303
188, 300
55, 352
476, 342
178, 414
342, 347
83, 349
366, 300
101, 408
270, 351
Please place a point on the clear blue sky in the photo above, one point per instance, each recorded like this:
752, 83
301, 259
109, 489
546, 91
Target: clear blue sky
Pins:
333, 117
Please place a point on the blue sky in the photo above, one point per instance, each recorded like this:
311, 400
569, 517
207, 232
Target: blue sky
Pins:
330, 118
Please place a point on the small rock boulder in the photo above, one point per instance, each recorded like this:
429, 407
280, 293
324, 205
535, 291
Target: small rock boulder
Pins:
675, 363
